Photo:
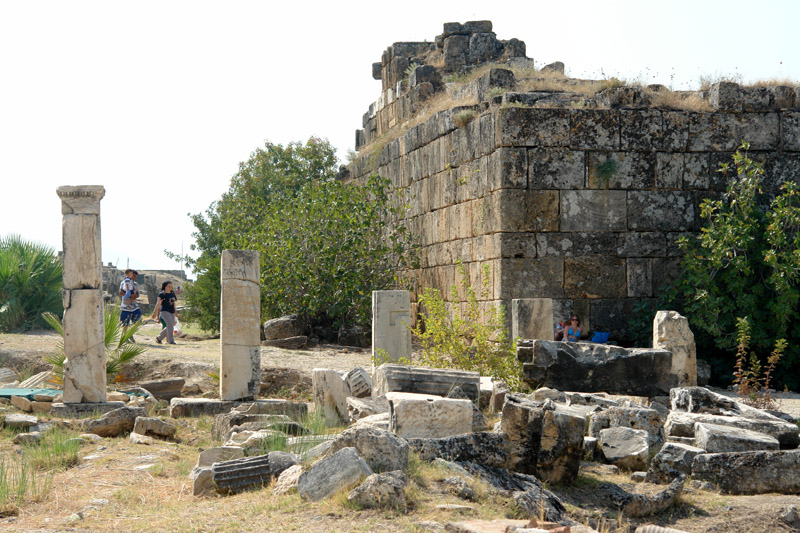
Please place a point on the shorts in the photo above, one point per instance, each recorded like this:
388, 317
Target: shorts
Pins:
130, 317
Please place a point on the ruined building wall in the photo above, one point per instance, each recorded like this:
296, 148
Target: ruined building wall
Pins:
580, 203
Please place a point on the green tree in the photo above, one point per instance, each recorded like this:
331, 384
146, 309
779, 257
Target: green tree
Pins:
745, 263
30, 284
325, 246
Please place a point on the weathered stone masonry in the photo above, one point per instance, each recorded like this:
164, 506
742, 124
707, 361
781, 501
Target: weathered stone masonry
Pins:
529, 193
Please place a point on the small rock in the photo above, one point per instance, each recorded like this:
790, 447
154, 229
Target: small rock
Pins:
638, 477
138, 438
75, 517
91, 437
455, 507
28, 439
154, 427
288, 479
791, 516
328, 475
702, 485
116, 396
456, 485
99, 501
381, 490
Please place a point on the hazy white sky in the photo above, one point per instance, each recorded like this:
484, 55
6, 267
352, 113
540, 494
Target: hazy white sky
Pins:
160, 101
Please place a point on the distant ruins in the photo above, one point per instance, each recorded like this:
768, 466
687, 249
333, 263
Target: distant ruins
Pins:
575, 190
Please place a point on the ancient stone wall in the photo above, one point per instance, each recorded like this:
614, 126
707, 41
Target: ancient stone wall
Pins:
575, 198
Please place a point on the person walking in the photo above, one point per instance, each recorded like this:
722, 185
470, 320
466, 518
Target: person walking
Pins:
165, 310
129, 306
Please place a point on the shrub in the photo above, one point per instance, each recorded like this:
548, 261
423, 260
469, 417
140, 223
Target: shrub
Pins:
325, 246
746, 263
30, 284
752, 384
469, 340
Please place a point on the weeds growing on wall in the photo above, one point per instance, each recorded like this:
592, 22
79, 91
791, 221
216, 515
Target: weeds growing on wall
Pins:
472, 337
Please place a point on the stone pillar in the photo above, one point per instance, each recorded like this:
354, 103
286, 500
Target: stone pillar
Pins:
240, 323
391, 319
671, 332
532, 318
85, 364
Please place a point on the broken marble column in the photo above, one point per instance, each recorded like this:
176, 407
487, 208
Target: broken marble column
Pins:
532, 318
671, 332
391, 320
85, 364
240, 325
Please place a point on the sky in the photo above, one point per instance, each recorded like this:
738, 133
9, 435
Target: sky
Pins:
159, 101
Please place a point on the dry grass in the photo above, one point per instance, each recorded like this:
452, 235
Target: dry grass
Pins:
775, 82
683, 101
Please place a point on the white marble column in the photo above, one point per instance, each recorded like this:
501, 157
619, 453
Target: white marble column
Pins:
240, 325
85, 365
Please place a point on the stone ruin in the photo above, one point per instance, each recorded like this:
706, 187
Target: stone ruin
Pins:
576, 197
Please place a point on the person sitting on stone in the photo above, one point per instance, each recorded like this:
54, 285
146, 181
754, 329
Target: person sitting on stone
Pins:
573, 330
561, 330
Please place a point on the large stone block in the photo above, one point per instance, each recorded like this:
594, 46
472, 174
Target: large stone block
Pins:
595, 277
240, 264
758, 472
713, 132
85, 366
82, 253
640, 278
520, 126
790, 130
556, 168
427, 416
588, 367
240, 313
240, 371
621, 170
594, 129
81, 199
725, 96
519, 277
593, 210
330, 395
508, 169
671, 332
714, 438
435, 381
517, 210
641, 130
625, 447
673, 459
676, 130
391, 319
680, 424
532, 318
761, 130
330, 474
660, 210
669, 170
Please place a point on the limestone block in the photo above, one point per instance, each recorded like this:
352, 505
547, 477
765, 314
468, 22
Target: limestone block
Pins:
679, 424
391, 319
330, 395
669, 170
639, 418
181, 407
19, 421
202, 481
21, 403
508, 169
593, 129
116, 422
240, 264
759, 472
596, 277
216, 455
41, 407
713, 132
725, 96
82, 253
240, 313
561, 445
359, 382
556, 168
641, 129
625, 447
237, 475
288, 479
526, 210
660, 210
628, 170
417, 379
81, 199
381, 490
519, 126
673, 459
640, 278
718, 439
383, 451
518, 277
676, 130
790, 130
85, 366
761, 130
240, 369
151, 426
597, 210
328, 475
456, 50
427, 416
532, 318
671, 332
283, 327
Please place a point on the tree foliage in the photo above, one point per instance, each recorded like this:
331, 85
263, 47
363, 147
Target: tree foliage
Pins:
30, 284
325, 246
745, 263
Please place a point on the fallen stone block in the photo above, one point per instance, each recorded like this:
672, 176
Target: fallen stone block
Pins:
283, 327
28, 439
237, 475
292, 409
183, 407
382, 450
490, 449
759, 472
359, 382
636, 505
428, 416
330, 395
21, 403
359, 408
499, 391
673, 459
218, 454
457, 486
78, 410
671, 332
380, 421
586, 367
423, 380
154, 427
226, 422
478, 420
38, 381
116, 396
288, 479
681, 424
299, 342
164, 389
716, 439
138, 438
41, 407
325, 477
115, 423
43, 398
202, 481
625, 447
639, 418
256, 442
702, 400
486, 386
387, 490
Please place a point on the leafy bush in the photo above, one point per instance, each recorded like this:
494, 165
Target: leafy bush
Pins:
117, 341
746, 263
325, 246
468, 340
30, 284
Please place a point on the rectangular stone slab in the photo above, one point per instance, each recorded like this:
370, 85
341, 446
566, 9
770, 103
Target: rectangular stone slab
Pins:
85, 366
532, 318
428, 417
237, 378
180, 407
751, 472
423, 380
69, 410
391, 318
